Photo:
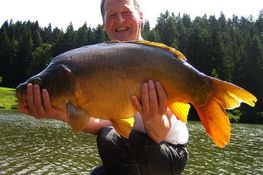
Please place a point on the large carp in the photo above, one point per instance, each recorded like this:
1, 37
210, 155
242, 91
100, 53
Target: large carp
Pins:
99, 80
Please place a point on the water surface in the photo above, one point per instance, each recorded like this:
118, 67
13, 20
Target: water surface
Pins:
30, 146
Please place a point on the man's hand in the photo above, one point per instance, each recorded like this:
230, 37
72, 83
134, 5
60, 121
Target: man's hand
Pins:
153, 109
39, 106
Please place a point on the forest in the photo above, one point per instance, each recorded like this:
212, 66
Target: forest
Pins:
230, 49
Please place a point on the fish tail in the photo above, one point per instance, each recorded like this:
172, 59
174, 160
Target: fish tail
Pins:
213, 114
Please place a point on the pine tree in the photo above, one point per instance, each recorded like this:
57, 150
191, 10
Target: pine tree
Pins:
4, 53
99, 34
253, 68
41, 56
166, 28
198, 54
83, 36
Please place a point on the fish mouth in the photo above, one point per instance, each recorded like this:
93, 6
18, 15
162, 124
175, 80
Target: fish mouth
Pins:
21, 95
37, 81
122, 29
21, 89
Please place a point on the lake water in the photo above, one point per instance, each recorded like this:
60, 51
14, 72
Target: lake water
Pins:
29, 146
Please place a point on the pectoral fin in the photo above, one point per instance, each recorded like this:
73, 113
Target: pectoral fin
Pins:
123, 126
78, 118
180, 110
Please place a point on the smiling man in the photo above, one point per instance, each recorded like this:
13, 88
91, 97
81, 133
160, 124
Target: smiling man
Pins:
122, 19
157, 143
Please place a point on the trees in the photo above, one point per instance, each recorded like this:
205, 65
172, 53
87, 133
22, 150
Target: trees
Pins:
41, 56
26, 48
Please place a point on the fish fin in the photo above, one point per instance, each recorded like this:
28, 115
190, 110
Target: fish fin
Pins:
216, 122
123, 126
177, 53
180, 110
78, 118
231, 96
213, 114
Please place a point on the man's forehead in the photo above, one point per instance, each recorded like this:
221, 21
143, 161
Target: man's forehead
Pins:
118, 5
111, 4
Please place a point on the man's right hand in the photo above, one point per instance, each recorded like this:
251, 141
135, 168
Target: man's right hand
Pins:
39, 105
153, 108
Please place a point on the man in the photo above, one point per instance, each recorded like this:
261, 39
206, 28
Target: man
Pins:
156, 145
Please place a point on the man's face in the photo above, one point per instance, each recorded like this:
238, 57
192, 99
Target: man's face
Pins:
122, 21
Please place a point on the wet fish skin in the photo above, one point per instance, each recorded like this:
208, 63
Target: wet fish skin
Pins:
98, 80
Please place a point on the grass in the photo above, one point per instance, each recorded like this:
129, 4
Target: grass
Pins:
7, 98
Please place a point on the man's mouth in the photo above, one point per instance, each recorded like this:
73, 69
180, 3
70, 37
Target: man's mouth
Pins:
121, 29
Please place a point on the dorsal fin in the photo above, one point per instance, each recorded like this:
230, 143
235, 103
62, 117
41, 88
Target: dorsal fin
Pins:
177, 53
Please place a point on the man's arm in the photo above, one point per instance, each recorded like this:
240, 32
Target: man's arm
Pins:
96, 124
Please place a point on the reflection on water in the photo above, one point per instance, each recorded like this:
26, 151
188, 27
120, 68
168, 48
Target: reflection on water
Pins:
29, 146
243, 155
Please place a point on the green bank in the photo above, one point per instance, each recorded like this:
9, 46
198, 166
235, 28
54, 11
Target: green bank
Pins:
7, 99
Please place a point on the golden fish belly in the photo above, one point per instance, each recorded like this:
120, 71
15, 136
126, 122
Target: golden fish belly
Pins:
109, 97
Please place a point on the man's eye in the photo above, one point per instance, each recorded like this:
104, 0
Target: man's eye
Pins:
127, 13
111, 15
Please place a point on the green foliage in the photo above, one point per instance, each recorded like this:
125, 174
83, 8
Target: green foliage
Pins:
214, 73
234, 115
40, 59
7, 98
229, 49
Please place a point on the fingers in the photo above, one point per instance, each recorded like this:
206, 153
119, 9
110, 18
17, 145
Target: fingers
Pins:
34, 101
162, 97
154, 98
136, 103
153, 108
38, 101
46, 100
30, 100
38, 104
145, 97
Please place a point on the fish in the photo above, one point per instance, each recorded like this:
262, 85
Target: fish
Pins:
98, 81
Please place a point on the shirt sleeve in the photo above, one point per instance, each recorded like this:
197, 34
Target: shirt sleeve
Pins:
178, 134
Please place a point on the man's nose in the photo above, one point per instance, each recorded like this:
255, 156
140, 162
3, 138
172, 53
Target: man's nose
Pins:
119, 18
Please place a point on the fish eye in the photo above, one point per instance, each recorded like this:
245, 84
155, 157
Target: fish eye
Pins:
37, 81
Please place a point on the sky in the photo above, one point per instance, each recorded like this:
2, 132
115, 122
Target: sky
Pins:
60, 13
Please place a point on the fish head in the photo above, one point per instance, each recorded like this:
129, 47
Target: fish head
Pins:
57, 79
